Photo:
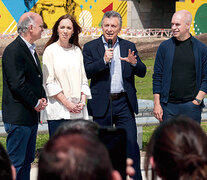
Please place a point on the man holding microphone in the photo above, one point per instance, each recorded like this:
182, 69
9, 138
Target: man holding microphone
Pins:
111, 63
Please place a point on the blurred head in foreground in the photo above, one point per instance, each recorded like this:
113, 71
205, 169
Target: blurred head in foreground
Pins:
75, 155
177, 151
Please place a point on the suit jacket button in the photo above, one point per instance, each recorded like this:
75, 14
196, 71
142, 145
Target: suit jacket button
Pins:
39, 76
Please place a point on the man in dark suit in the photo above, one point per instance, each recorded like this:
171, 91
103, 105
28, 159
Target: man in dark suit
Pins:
23, 93
111, 66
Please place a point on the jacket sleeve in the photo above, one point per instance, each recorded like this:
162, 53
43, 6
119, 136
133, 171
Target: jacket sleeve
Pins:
49, 80
140, 68
92, 62
158, 71
203, 86
84, 87
13, 63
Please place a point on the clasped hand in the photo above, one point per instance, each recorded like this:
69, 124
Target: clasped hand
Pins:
76, 108
42, 104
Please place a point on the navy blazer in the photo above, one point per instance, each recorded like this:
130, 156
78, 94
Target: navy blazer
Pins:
22, 84
99, 73
164, 62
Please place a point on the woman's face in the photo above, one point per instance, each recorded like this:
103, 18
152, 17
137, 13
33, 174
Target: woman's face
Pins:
65, 30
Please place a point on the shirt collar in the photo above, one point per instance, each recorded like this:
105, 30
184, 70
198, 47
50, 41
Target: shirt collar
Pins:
105, 43
30, 46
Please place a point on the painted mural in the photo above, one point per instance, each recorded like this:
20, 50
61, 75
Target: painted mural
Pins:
198, 9
87, 12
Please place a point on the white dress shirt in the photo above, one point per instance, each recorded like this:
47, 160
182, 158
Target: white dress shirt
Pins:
115, 68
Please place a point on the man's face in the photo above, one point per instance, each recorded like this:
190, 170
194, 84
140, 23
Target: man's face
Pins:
37, 28
180, 28
111, 28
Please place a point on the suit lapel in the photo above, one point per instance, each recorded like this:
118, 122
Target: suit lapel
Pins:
38, 62
100, 47
31, 58
123, 52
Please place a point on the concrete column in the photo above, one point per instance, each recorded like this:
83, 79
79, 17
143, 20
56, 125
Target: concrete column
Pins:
133, 19
143, 14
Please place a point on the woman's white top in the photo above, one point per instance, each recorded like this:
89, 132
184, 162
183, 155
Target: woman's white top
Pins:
63, 71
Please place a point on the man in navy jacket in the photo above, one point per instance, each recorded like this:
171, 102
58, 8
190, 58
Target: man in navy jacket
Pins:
180, 72
111, 63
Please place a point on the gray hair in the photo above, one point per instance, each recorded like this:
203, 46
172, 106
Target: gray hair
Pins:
23, 26
110, 14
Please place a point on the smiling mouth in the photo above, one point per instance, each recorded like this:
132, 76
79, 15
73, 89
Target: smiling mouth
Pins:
175, 32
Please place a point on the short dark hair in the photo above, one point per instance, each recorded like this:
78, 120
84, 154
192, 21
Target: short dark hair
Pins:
5, 165
110, 14
79, 124
74, 155
179, 149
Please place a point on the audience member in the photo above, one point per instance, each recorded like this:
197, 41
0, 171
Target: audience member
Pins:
92, 128
79, 124
64, 75
177, 151
75, 155
7, 170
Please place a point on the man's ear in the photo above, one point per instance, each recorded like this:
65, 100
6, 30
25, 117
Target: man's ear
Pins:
188, 25
31, 27
13, 170
115, 175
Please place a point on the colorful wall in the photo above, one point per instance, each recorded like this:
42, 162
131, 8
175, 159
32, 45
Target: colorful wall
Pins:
198, 9
87, 12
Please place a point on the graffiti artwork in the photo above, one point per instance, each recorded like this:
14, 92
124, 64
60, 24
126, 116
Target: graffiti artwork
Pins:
198, 9
87, 12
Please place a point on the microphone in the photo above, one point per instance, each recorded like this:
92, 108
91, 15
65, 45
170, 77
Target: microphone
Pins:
110, 43
110, 46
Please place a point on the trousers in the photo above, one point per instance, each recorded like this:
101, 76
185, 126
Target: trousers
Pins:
121, 115
20, 144
187, 109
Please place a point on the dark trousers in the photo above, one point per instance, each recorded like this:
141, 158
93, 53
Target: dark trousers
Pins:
20, 143
187, 109
54, 124
123, 117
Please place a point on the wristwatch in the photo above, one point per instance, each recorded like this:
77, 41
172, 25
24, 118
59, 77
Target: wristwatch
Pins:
198, 100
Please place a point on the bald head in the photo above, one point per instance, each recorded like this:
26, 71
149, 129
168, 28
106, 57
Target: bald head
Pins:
180, 25
26, 16
25, 21
30, 26
185, 15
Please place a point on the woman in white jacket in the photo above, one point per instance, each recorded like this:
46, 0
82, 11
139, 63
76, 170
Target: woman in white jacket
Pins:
64, 75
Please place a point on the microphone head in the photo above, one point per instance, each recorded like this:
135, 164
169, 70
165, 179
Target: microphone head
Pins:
110, 43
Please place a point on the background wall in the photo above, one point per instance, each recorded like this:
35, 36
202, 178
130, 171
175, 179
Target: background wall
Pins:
87, 12
198, 9
137, 14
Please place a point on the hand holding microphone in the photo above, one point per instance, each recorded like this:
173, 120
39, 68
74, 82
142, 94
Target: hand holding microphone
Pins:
109, 52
